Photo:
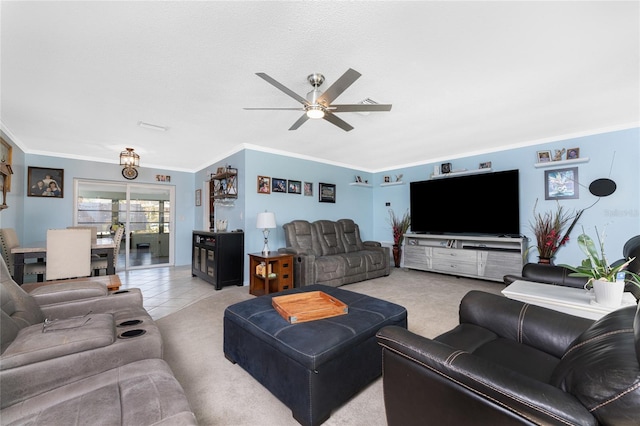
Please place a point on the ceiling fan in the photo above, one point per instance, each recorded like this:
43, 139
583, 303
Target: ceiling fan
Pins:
318, 104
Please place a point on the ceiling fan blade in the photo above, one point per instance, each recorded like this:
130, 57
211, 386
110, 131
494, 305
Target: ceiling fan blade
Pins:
285, 89
300, 122
360, 107
269, 109
339, 86
337, 121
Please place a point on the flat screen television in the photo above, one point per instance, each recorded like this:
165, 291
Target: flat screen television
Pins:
476, 204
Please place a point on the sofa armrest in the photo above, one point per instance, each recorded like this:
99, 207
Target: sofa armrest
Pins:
551, 274
371, 244
426, 379
115, 301
303, 265
522, 322
65, 292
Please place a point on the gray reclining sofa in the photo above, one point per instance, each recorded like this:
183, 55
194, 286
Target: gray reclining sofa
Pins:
332, 253
95, 359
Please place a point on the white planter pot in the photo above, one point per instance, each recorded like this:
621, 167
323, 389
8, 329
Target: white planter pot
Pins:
608, 294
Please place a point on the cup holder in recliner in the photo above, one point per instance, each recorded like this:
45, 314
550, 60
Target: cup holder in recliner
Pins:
129, 323
121, 292
131, 333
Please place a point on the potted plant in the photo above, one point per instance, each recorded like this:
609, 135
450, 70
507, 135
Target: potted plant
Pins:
548, 229
608, 281
399, 226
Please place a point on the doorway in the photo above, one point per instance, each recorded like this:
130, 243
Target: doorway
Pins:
145, 210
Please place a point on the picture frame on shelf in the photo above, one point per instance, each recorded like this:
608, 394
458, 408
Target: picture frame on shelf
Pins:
308, 189
45, 182
198, 197
561, 184
573, 153
294, 187
6, 156
264, 185
278, 185
386, 179
327, 192
543, 156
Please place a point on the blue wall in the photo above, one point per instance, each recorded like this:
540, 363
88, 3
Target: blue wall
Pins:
617, 215
614, 154
32, 216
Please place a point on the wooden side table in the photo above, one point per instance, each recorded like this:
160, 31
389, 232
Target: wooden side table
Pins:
280, 278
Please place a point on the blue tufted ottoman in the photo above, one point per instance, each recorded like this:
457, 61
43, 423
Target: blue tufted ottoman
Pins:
312, 367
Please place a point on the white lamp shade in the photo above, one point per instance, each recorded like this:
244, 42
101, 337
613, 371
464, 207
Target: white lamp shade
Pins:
266, 220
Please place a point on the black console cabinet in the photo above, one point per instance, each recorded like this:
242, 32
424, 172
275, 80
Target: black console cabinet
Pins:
218, 257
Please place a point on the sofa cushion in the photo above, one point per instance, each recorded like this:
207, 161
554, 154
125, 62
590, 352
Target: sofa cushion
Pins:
300, 235
602, 368
15, 303
351, 235
329, 268
354, 263
376, 260
140, 393
329, 237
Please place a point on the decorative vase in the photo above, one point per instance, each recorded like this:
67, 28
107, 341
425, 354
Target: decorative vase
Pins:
608, 293
396, 255
545, 260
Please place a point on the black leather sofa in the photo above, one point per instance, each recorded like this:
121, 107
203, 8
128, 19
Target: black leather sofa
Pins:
508, 362
557, 275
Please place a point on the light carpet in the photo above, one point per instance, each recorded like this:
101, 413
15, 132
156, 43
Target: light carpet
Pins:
222, 393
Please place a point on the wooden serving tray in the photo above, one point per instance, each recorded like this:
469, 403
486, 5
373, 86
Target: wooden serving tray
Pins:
309, 306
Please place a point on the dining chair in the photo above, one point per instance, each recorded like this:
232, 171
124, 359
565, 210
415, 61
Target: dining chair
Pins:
94, 232
98, 263
68, 253
9, 240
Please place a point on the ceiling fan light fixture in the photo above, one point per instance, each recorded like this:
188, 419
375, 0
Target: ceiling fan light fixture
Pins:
315, 111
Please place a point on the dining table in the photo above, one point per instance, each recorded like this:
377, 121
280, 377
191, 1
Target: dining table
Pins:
38, 250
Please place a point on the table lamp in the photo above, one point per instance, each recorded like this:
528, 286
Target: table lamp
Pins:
266, 221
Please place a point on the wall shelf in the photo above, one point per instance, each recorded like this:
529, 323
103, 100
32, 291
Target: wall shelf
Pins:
561, 162
361, 184
462, 173
392, 183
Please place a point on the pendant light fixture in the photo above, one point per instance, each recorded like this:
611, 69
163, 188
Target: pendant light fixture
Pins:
130, 160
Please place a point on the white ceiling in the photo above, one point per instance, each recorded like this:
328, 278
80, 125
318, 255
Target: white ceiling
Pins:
463, 77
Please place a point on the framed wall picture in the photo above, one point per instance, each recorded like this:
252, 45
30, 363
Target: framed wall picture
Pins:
327, 192
43, 182
294, 187
278, 185
308, 189
543, 156
198, 197
561, 184
573, 153
264, 185
6, 156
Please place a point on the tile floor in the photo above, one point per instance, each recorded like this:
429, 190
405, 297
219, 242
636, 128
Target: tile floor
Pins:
166, 289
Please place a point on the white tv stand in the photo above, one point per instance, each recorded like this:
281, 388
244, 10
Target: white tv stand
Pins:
489, 258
